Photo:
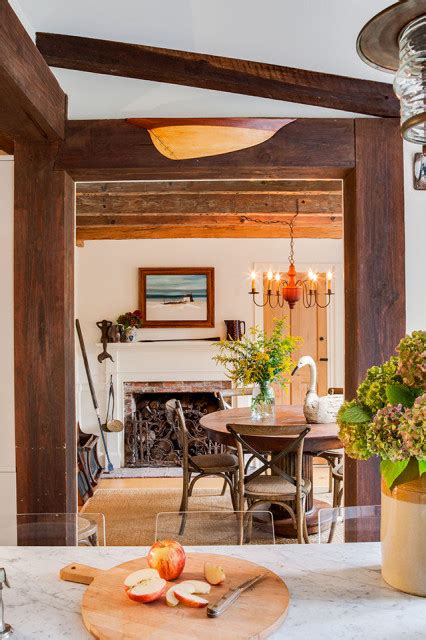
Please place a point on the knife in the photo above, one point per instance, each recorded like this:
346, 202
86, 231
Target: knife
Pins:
216, 609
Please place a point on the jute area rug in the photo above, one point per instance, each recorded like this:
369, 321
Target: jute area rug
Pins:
130, 513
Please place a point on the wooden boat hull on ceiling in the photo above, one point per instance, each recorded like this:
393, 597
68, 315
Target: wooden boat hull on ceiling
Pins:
186, 138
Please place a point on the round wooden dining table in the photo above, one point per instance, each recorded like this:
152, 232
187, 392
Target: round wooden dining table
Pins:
320, 438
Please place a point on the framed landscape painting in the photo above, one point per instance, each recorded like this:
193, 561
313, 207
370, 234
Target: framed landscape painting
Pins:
177, 297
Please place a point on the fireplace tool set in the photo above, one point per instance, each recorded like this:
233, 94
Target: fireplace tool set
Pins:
102, 426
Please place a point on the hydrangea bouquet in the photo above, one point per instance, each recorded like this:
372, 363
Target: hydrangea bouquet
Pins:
388, 416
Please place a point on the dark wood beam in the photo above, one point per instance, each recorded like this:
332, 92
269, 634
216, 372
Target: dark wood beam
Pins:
219, 73
6, 145
32, 104
44, 333
116, 150
374, 273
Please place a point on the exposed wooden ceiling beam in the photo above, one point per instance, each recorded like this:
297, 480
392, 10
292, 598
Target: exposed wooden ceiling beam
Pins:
32, 104
296, 187
125, 203
218, 231
244, 209
116, 150
219, 73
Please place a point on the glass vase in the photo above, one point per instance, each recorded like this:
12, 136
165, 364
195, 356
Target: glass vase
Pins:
262, 401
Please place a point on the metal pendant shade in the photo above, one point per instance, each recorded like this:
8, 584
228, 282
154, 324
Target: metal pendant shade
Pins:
378, 41
395, 41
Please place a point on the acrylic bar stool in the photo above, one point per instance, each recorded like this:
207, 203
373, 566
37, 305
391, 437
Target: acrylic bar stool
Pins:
218, 528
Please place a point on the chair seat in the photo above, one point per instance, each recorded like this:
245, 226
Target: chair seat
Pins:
211, 461
273, 486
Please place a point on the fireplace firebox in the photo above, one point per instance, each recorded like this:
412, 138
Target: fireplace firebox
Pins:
149, 439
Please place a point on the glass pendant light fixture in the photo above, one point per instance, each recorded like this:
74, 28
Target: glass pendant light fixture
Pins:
395, 41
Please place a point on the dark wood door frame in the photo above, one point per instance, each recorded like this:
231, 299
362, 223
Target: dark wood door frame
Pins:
365, 153
374, 256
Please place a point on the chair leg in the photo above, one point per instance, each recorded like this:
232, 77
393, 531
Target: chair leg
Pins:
305, 524
184, 504
222, 493
247, 527
332, 527
234, 491
185, 495
299, 519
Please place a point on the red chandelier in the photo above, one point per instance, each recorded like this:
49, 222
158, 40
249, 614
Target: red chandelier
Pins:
285, 288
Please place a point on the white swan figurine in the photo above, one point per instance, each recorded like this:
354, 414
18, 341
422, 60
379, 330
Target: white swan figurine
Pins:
318, 410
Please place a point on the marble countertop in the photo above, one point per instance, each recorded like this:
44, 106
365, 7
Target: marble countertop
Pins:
336, 591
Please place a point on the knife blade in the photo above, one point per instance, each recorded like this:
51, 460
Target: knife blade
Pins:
217, 608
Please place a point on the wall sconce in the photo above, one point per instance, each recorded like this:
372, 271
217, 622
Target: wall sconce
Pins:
419, 173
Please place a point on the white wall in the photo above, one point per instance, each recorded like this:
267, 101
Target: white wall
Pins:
107, 285
7, 407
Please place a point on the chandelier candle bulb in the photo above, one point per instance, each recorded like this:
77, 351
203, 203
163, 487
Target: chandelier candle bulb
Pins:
270, 281
253, 281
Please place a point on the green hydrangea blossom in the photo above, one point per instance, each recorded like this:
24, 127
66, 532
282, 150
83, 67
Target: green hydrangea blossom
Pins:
372, 390
413, 428
384, 435
353, 436
412, 356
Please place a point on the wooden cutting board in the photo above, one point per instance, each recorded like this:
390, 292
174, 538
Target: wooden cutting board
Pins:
109, 614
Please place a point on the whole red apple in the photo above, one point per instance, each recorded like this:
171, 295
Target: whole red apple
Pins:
168, 557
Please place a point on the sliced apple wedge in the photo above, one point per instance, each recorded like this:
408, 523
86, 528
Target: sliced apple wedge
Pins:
198, 586
171, 599
148, 590
189, 599
213, 573
140, 576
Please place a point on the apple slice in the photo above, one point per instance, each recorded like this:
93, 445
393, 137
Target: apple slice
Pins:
189, 599
213, 573
140, 576
148, 590
198, 586
171, 599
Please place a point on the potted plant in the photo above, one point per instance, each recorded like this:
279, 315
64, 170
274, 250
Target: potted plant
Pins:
131, 320
388, 419
259, 360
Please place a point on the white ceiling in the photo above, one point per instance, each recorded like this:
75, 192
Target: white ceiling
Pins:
312, 34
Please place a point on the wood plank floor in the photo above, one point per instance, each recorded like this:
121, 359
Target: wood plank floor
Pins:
320, 482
